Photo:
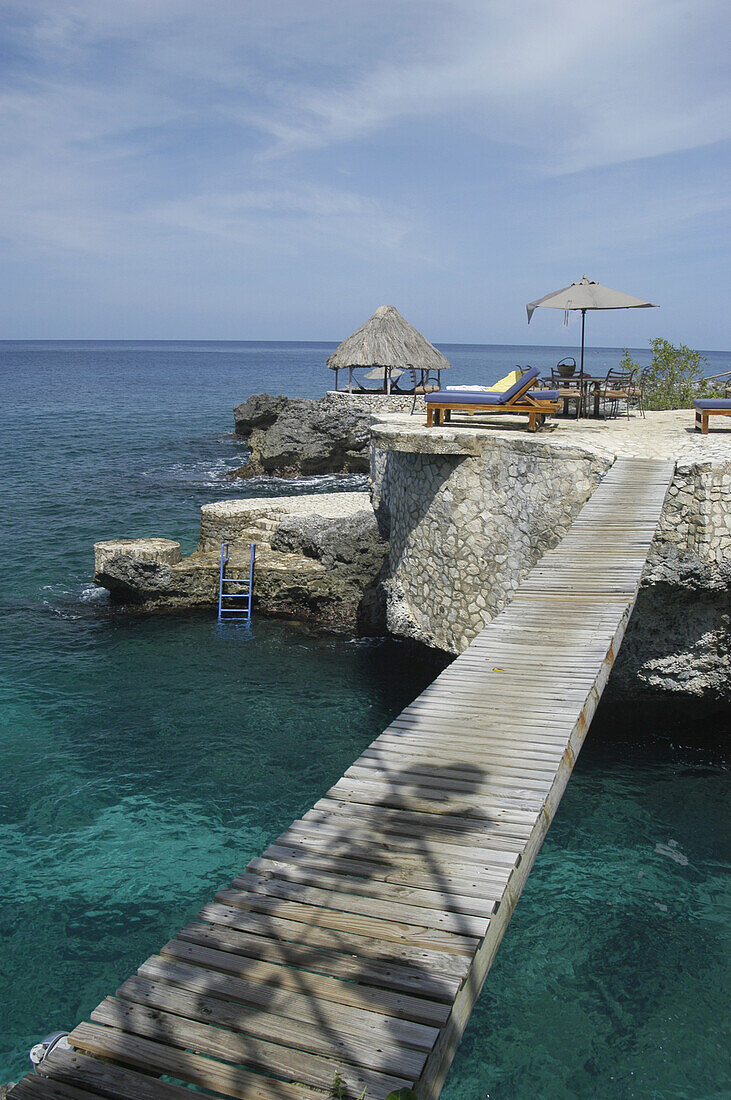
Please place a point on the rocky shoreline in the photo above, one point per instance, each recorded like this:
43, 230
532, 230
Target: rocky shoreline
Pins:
319, 557
297, 436
453, 519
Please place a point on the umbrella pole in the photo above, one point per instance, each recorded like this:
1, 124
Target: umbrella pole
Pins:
581, 368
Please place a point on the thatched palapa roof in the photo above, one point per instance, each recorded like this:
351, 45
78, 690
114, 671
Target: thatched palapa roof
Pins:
387, 340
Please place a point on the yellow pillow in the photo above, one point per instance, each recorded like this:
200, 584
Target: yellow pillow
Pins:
505, 383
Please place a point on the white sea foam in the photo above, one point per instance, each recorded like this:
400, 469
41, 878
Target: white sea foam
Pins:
317, 483
92, 593
208, 474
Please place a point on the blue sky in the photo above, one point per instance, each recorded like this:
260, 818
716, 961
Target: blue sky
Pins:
277, 170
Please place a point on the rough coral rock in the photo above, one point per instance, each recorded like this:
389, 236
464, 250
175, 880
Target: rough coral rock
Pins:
354, 555
678, 640
292, 436
319, 557
299, 436
134, 569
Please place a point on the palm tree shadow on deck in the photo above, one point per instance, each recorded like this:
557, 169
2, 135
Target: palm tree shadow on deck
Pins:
334, 960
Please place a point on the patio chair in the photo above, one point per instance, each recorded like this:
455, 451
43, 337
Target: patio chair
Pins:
617, 387
570, 389
537, 404
637, 392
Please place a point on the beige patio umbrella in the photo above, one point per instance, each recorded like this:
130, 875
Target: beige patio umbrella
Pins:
584, 295
389, 343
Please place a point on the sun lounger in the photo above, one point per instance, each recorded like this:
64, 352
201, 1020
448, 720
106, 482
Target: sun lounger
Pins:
537, 404
710, 406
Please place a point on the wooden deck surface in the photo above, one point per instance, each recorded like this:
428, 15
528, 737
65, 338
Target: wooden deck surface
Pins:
354, 948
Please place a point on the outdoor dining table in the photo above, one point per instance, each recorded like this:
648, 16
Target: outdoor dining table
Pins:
584, 388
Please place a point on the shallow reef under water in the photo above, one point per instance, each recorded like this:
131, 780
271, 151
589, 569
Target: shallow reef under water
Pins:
159, 754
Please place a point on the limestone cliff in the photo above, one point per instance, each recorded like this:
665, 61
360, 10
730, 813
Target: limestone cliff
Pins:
294, 436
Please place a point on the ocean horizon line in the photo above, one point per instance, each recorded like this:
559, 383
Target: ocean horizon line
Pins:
188, 343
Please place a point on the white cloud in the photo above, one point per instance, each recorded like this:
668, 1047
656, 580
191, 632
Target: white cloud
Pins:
580, 86
152, 128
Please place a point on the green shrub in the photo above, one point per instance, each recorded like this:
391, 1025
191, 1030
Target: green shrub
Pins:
675, 376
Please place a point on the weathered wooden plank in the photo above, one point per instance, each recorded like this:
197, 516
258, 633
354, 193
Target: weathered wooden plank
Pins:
395, 976
428, 800
472, 744
404, 1007
403, 774
434, 759
330, 835
382, 865
364, 947
270, 1001
476, 728
449, 913
229, 1046
505, 760
447, 884
329, 1041
106, 1042
433, 823
418, 935
107, 1079
34, 1087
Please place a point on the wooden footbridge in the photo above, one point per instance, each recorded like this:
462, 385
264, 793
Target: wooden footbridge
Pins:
347, 959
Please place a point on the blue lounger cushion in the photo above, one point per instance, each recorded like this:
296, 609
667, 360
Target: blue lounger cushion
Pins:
713, 403
472, 397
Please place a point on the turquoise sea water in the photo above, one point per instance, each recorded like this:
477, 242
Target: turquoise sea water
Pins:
146, 759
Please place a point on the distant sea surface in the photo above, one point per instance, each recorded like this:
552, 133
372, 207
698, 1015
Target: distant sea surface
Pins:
146, 759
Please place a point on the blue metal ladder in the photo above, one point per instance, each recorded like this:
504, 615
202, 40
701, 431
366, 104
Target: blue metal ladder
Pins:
226, 609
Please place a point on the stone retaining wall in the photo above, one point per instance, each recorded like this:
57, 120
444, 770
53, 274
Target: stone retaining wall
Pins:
696, 518
468, 513
374, 403
464, 530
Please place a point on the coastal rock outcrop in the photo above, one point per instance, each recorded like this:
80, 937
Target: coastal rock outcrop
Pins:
134, 570
354, 556
678, 640
295, 436
318, 557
